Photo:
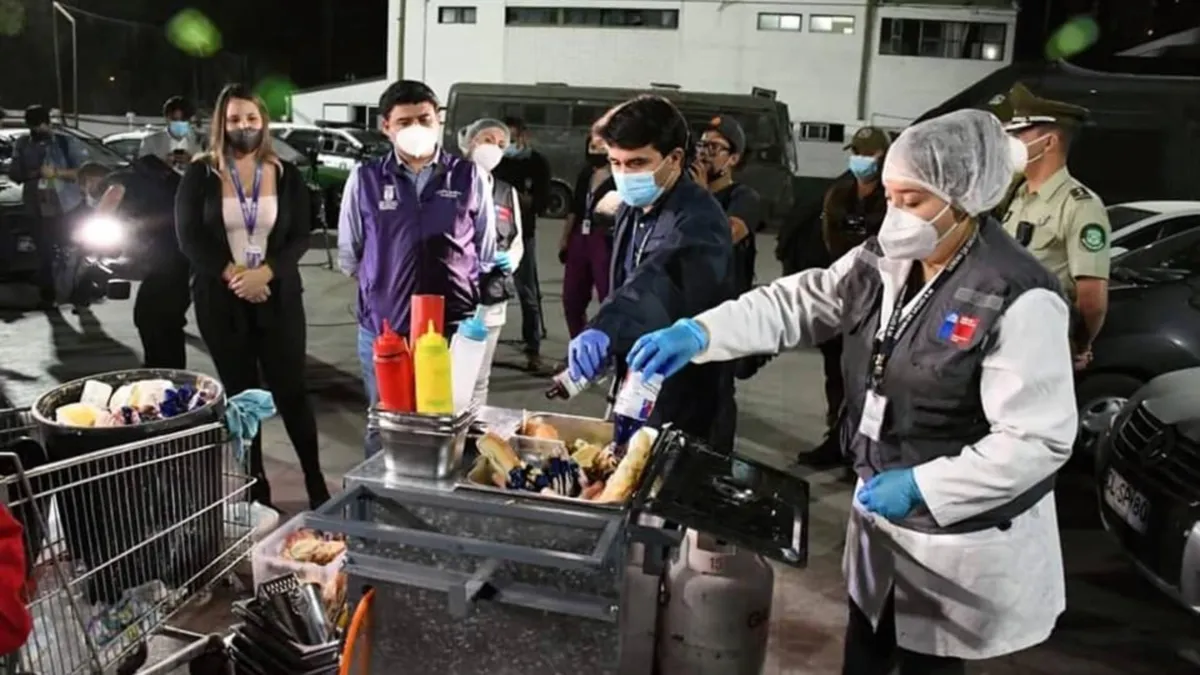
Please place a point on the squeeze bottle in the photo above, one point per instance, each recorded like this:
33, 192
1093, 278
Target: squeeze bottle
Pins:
467, 349
431, 361
394, 372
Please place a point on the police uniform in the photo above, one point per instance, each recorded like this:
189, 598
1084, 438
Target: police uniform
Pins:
1068, 228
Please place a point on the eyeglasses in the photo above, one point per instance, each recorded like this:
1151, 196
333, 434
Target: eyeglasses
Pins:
712, 147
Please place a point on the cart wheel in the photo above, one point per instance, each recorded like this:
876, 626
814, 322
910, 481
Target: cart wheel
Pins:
358, 647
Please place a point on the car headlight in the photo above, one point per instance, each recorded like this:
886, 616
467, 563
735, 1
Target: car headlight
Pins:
101, 231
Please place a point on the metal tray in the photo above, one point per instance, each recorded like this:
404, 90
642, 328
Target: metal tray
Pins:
535, 450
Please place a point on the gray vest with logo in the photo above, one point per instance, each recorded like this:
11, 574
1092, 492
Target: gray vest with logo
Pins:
932, 378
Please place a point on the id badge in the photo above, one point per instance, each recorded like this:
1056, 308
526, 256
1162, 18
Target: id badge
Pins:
43, 184
254, 256
586, 226
874, 408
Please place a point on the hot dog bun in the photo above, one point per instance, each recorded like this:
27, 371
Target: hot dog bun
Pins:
621, 484
499, 453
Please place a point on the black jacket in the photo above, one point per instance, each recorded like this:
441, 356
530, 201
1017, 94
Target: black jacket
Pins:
149, 202
200, 226
686, 267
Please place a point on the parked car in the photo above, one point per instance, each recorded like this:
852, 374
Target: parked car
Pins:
1152, 327
18, 254
1148, 483
128, 142
335, 149
1138, 224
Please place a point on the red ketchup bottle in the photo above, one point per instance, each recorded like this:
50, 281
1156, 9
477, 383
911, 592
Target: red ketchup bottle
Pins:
394, 372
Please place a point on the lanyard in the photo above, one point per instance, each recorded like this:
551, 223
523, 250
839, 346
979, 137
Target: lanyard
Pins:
640, 248
249, 206
898, 322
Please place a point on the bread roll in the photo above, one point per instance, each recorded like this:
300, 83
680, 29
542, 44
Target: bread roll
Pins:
536, 429
621, 484
499, 453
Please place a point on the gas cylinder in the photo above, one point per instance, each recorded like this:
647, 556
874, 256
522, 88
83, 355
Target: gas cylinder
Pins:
718, 610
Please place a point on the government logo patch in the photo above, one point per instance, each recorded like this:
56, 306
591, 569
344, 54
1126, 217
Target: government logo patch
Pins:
1093, 238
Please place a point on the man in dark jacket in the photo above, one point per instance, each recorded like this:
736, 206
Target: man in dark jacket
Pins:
853, 210
672, 254
144, 195
528, 171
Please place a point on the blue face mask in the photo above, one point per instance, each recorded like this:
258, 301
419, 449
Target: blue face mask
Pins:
863, 167
638, 189
179, 128
516, 151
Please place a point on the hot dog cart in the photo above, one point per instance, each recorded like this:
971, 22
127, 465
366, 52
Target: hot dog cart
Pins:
467, 578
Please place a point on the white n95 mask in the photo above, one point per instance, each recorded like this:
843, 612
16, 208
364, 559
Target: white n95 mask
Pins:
487, 156
907, 236
417, 140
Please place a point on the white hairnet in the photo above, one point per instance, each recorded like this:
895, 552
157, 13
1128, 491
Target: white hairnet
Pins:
469, 132
964, 157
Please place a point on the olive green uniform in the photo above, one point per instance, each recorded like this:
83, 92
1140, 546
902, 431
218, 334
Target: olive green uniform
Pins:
1070, 228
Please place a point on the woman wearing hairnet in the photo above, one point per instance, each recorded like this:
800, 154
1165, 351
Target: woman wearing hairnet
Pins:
483, 141
960, 404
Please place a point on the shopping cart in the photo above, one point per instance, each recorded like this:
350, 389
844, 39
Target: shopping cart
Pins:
177, 517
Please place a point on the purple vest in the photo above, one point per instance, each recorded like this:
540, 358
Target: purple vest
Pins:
417, 244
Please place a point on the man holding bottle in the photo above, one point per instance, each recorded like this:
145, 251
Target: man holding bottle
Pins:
415, 221
672, 251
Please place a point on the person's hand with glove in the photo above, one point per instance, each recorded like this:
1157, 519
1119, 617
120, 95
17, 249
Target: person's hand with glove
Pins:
586, 354
892, 494
504, 262
666, 351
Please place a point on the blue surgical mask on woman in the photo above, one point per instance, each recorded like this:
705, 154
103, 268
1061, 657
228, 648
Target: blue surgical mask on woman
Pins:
179, 128
863, 167
639, 189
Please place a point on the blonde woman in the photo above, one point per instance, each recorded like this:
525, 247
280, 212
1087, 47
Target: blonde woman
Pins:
242, 216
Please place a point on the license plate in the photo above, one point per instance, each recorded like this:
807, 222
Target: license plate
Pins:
1132, 506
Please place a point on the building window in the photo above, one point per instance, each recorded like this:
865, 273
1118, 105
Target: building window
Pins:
824, 23
600, 18
943, 39
822, 132
790, 22
456, 15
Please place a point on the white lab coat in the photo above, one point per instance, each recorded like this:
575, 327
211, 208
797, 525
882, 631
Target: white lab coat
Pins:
976, 595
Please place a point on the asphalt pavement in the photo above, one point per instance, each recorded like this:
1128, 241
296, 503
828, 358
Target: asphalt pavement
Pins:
1115, 623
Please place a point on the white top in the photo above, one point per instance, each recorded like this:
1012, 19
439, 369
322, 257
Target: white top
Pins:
974, 595
235, 225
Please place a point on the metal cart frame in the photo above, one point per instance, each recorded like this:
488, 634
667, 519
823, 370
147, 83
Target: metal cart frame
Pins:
70, 636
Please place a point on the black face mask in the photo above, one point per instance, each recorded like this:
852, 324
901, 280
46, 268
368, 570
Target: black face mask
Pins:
597, 159
40, 134
244, 140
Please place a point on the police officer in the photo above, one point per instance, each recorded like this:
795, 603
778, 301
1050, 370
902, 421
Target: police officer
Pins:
672, 257
1060, 221
853, 209
960, 405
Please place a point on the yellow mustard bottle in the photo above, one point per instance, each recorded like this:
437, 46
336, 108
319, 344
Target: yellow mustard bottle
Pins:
431, 365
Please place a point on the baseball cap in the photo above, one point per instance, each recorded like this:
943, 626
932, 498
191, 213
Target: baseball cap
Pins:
731, 131
868, 141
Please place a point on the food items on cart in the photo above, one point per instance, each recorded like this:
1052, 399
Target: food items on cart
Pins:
535, 428
133, 403
310, 546
590, 473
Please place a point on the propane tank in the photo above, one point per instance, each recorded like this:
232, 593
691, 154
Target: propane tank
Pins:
718, 610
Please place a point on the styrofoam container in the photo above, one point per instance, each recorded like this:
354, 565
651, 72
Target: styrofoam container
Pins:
268, 562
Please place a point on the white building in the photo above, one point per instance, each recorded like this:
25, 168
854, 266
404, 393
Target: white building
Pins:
838, 64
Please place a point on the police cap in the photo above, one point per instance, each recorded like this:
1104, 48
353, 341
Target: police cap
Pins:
868, 141
1028, 109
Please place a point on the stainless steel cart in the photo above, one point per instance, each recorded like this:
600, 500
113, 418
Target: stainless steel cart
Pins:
174, 496
471, 581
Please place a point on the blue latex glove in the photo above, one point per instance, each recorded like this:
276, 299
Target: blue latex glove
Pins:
245, 414
504, 262
665, 352
586, 354
892, 494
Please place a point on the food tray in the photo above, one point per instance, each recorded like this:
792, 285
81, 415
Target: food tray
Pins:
534, 450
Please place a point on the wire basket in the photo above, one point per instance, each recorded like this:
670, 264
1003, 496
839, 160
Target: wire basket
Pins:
97, 590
